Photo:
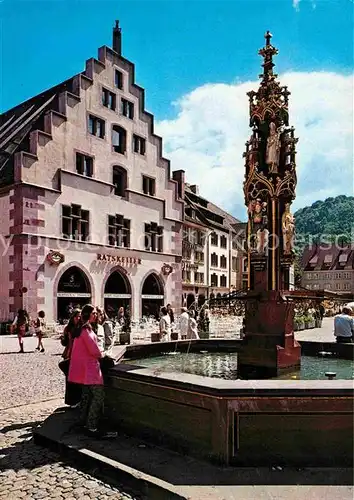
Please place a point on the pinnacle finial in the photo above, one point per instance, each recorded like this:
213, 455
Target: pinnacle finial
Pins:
117, 24
268, 37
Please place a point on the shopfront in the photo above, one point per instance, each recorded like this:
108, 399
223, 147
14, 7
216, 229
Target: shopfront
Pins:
152, 298
73, 291
117, 293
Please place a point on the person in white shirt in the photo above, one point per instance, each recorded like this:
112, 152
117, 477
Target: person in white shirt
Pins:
165, 326
344, 326
192, 327
184, 323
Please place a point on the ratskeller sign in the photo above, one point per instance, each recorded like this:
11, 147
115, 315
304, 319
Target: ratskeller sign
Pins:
118, 259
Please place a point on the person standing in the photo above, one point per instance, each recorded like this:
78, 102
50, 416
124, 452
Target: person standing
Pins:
344, 326
106, 324
184, 323
85, 370
39, 327
192, 327
165, 325
72, 391
20, 326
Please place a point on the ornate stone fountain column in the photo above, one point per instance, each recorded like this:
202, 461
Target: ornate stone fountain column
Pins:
269, 347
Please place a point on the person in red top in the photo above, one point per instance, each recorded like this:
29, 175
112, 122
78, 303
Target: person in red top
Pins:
85, 370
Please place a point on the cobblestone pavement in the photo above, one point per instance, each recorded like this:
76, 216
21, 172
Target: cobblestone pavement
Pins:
32, 376
28, 471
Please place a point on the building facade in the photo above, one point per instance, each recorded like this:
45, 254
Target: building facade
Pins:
213, 256
94, 215
328, 268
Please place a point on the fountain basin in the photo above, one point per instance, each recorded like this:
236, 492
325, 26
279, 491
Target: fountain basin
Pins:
233, 422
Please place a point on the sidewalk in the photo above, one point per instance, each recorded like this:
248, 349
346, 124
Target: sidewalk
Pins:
164, 475
323, 334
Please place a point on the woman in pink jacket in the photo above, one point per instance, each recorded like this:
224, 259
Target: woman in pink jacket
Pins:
85, 370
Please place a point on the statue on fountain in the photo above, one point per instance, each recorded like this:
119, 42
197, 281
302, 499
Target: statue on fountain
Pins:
273, 149
288, 228
258, 220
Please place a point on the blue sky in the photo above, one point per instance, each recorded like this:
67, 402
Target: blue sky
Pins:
176, 45
197, 60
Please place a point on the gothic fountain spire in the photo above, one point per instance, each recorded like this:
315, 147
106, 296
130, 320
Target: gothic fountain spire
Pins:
267, 53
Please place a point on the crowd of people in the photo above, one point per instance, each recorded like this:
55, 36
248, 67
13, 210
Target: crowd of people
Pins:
188, 327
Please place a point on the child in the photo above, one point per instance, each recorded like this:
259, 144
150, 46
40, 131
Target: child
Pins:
39, 329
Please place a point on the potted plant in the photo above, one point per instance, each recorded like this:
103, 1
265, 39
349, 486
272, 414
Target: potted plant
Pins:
301, 323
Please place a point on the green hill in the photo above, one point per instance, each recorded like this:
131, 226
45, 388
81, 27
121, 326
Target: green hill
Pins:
326, 221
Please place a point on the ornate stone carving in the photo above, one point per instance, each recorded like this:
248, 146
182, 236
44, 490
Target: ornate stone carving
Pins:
288, 229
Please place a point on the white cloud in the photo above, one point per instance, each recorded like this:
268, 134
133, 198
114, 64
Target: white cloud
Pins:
207, 137
296, 4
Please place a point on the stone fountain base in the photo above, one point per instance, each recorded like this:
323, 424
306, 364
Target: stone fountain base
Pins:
240, 422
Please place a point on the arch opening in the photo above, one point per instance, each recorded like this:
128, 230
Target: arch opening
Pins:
152, 296
74, 291
117, 293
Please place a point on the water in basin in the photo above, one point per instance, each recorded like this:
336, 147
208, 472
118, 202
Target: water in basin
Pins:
224, 365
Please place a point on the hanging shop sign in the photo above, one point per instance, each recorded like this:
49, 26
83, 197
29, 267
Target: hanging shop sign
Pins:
55, 258
166, 269
117, 259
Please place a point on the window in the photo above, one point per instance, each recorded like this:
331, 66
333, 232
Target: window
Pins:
75, 222
118, 231
108, 99
214, 280
139, 144
199, 257
153, 237
234, 264
119, 139
149, 185
223, 262
96, 126
214, 260
223, 280
118, 79
244, 265
199, 238
214, 239
186, 276
338, 286
223, 241
128, 109
346, 286
186, 250
84, 164
198, 278
119, 180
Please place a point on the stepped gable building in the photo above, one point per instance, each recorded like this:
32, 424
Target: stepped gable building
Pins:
213, 260
89, 210
330, 268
